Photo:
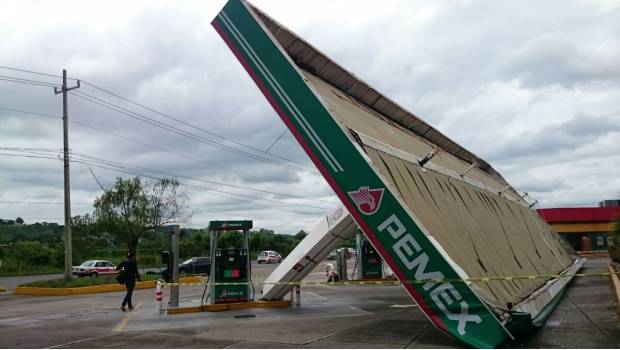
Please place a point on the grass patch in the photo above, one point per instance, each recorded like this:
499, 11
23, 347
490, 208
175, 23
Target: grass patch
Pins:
36, 270
84, 281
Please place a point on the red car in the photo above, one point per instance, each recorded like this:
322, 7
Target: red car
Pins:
94, 268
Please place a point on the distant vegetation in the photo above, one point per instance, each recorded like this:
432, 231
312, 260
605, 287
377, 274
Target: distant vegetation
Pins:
38, 248
84, 282
129, 216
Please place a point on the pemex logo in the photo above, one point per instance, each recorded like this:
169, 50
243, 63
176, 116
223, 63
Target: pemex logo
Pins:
367, 200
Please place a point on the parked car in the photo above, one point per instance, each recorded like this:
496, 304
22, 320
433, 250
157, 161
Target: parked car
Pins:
268, 257
194, 266
332, 255
94, 268
348, 252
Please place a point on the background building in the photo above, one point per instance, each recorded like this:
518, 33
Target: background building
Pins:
586, 228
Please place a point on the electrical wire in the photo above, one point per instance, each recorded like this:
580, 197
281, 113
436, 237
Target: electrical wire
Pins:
141, 171
190, 125
165, 150
187, 134
27, 81
191, 178
128, 170
33, 72
28, 156
42, 203
276, 140
110, 105
32, 113
211, 190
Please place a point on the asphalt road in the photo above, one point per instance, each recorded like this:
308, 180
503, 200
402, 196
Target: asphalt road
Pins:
330, 316
9, 283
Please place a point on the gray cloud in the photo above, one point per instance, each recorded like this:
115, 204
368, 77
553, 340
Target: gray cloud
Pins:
533, 89
552, 140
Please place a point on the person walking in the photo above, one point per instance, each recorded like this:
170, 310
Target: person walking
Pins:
128, 274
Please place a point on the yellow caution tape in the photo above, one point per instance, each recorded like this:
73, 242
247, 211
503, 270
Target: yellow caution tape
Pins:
396, 282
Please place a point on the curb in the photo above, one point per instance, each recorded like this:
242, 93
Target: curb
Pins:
594, 253
41, 291
615, 281
232, 306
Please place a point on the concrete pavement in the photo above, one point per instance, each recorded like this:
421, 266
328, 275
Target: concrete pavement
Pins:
330, 317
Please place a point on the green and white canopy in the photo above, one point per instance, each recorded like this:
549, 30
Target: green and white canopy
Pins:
463, 242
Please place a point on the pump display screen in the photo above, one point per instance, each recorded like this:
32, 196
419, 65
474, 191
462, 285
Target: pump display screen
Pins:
230, 267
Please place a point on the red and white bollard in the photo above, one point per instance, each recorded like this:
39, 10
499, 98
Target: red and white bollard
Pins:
158, 297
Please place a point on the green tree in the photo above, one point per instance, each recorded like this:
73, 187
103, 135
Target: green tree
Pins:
19, 220
300, 235
31, 253
132, 207
230, 239
89, 238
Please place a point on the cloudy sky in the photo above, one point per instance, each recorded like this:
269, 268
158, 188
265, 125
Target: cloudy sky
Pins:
532, 87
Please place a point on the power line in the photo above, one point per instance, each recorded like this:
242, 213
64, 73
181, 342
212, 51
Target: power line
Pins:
116, 135
33, 72
137, 172
25, 149
33, 113
276, 140
28, 156
184, 133
41, 203
155, 147
165, 173
24, 81
186, 123
154, 111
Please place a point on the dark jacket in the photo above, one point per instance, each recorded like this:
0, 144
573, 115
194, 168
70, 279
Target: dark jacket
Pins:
131, 270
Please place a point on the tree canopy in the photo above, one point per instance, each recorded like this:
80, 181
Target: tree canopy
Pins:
133, 206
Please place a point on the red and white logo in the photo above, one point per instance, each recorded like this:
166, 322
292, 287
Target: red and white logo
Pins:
367, 200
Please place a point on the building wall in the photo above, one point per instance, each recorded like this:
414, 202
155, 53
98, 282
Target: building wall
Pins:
598, 241
595, 223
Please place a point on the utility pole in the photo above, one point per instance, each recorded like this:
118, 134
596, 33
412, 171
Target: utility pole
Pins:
65, 133
175, 237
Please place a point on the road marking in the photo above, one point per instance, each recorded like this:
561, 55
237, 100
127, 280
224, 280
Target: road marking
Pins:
355, 308
325, 286
316, 295
121, 325
399, 306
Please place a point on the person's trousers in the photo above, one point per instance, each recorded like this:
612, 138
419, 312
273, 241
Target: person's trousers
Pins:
130, 286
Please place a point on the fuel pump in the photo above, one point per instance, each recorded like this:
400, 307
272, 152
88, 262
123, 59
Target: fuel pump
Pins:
231, 269
369, 264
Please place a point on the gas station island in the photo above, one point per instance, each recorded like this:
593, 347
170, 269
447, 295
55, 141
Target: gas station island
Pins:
464, 244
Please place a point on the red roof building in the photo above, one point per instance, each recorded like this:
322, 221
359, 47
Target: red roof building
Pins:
586, 229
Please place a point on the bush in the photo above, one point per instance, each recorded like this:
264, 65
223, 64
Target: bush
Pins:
83, 282
32, 253
148, 260
614, 254
614, 250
